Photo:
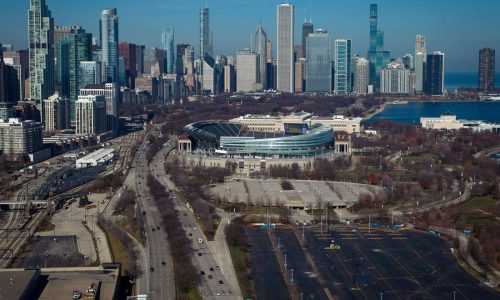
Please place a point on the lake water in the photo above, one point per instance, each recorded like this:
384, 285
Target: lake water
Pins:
411, 112
455, 80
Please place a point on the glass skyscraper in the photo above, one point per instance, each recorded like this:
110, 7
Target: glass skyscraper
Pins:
90, 73
109, 45
205, 44
307, 28
285, 63
41, 51
80, 49
377, 56
319, 62
342, 79
167, 41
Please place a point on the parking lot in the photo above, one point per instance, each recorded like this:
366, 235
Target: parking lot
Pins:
267, 277
44, 251
390, 265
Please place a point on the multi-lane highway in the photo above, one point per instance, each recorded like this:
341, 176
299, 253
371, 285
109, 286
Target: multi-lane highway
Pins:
213, 279
157, 281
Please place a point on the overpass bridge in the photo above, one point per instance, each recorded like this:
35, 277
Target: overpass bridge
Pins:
23, 202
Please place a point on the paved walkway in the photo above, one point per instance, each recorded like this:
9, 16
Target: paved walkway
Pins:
69, 222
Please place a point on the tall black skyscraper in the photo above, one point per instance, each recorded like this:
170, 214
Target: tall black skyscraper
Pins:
434, 74
307, 28
487, 69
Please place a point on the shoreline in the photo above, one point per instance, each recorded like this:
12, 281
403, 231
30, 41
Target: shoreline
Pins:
376, 112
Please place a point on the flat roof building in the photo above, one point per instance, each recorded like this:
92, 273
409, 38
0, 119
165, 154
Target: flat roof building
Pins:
97, 158
450, 122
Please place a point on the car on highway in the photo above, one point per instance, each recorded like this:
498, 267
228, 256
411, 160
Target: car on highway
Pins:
202, 273
199, 254
163, 263
157, 227
200, 241
217, 268
151, 269
190, 234
153, 229
210, 277
221, 282
212, 269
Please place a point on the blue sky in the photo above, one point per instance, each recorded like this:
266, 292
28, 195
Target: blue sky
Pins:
457, 27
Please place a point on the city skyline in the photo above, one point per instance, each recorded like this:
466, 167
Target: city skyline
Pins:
348, 21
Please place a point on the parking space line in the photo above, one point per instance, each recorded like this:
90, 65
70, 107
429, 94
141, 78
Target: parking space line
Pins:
376, 270
422, 259
405, 269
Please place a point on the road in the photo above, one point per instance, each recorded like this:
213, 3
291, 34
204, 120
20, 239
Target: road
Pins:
209, 259
158, 280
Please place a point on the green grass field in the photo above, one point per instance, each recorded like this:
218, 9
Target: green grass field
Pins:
479, 202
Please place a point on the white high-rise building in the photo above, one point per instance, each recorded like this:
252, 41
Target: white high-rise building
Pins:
111, 93
246, 71
109, 45
41, 51
420, 61
285, 65
395, 79
56, 113
361, 76
261, 51
90, 114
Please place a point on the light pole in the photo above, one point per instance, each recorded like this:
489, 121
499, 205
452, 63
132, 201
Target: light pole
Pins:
353, 260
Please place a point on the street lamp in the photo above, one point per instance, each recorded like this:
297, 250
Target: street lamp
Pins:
353, 260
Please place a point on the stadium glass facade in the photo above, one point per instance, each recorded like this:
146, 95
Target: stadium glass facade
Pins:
232, 139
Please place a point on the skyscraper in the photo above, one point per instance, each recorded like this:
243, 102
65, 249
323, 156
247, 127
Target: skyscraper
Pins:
167, 41
246, 71
41, 51
408, 61
434, 74
205, 44
486, 69
61, 55
56, 113
342, 81
307, 28
377, 56
179, 62
90, 73
128, 52
285, 65
395, 79
261, 51
269, 55
420, 61
80, 49
319, 62
90, 114
109, 44
361, 76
